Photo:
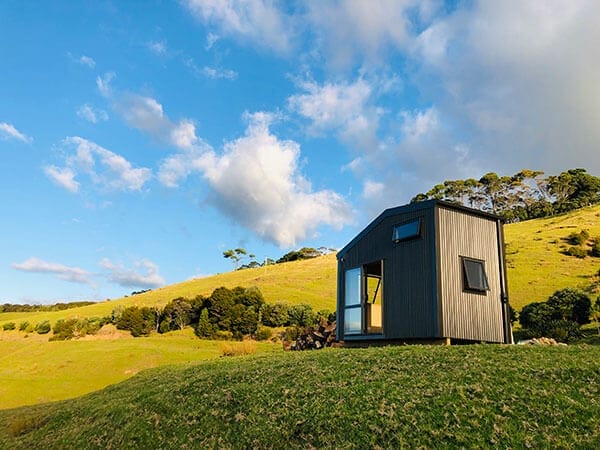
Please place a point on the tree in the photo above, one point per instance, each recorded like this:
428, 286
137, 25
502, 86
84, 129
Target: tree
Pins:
177, 314
235, 255
204, 328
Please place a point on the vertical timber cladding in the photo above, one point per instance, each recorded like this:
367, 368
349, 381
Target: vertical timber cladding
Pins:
468, 315
410, 307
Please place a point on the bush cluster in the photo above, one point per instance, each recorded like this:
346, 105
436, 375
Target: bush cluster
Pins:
560, 317
9, 326
73, 328
225, 314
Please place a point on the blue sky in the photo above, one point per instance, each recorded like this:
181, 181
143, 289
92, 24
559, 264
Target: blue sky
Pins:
139, 140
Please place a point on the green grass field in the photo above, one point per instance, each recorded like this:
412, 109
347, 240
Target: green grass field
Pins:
390, 397
34, 370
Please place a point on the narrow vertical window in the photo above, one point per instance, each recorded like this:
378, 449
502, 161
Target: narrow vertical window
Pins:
352, 301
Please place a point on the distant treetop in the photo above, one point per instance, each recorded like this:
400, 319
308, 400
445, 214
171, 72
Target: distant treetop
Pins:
527, 194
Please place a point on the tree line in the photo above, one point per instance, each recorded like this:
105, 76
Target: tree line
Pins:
528, 194
236, 255
225, 314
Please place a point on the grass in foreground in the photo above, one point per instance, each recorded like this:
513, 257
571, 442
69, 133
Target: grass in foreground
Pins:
392, 397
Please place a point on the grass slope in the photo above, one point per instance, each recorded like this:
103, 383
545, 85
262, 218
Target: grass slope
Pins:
34, 370
536, 266
391, 397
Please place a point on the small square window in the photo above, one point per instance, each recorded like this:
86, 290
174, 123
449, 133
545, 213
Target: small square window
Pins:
474, 277
408, 230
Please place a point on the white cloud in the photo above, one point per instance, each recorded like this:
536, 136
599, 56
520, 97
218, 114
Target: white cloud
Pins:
177, 167
217, 73
211, 39
66, 273
64, 177
87, 61
372, 189
257, 183
343, 107
144, 274
8, 131
91, 114
258, 22
158, 47
106, 170
518, 78
146, 114
355, 29
419, 123
103, 83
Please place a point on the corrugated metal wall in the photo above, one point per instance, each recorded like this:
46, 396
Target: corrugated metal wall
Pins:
467, 315
410, 308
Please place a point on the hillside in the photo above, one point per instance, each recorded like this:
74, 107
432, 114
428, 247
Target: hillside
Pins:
536, 265
391, 397
311, 281
536, 268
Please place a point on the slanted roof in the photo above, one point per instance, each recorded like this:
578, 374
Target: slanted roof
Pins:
413, 207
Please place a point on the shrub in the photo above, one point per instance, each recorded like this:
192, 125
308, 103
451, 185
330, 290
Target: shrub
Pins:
291, 333
560, 317
23, 326
221, 335
43, 327
578, 238
237, 348
301, 315
275, 315
595, 251
64, 329
139, 321
264, 334
9, 326
578, 252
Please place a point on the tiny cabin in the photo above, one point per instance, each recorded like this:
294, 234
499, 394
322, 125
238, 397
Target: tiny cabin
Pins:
428, 271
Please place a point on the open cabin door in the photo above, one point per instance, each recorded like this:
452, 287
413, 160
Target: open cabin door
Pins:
363, 302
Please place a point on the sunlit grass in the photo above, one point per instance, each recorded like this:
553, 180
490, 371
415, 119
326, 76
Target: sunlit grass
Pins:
33, 370
390, 397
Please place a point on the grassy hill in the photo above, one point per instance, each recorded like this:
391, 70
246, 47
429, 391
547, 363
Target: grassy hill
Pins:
391, 397
310, 281
536, 265
536, 268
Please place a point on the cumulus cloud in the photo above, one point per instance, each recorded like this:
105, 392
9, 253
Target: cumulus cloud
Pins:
64, 177
66, 273
106, 170
260, 22
342, 107
8, 131
355, 30
91, 114
146, 114
144, 274
257, 182
518, 78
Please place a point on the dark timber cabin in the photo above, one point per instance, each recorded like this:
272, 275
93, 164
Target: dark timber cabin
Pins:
429, 271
